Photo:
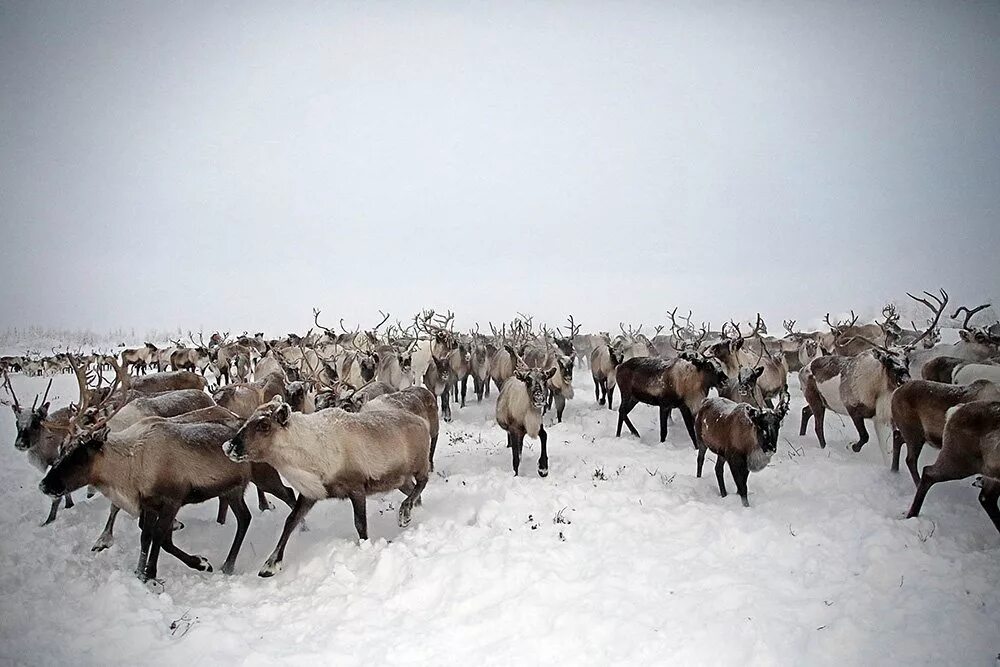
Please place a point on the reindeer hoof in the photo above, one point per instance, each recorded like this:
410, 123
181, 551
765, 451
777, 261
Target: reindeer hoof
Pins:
102, 543
543, 472
600, 401
227, 568
45, 523
203, 565
269, 570
266, 506
856, 447
154, 585
404, 517
177, 525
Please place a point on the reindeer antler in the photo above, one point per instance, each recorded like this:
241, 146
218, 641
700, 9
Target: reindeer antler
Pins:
937, 309
968, 313
10, 390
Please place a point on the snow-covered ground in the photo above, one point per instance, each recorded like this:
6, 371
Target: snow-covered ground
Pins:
620, 556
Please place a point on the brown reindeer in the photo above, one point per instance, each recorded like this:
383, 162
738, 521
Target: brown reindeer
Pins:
741, 434
682, 382
970, 446
919, 411
151, 470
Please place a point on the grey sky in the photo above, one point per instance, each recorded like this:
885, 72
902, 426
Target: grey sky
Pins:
166, 164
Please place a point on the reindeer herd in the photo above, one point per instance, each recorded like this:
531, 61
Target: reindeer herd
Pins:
350, 413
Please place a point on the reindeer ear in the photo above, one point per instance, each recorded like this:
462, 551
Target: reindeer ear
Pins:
282, 414
549, 373
523, 376
757, 372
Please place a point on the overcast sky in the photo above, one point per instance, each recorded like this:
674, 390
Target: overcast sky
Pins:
194, 164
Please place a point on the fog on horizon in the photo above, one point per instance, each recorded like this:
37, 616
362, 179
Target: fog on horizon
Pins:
212, 166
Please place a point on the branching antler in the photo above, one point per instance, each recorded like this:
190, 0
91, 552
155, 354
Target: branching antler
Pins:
10, 390
937, 309
327, 330
968, 313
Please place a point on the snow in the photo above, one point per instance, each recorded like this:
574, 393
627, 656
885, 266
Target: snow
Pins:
620, 556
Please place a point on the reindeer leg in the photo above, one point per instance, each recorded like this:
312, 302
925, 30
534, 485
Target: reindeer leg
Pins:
516, 443
664, 416
145, 538
161, 522
262, 502
69, 500
407, 505
689, 423
107, 538
820, 415
560, 406
913, 448
358, 502
941, 471
806, 414
243, 518
701, 458
597, 392
445, 407
53, 510
989, 497
273, 564
611, 397
720, 461
465, 388
543, 460
740, 471
623, 409
223, 511
859, 423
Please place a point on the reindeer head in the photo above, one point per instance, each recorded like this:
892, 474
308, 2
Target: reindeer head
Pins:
536, 381
256, 438
895, 366
72, 469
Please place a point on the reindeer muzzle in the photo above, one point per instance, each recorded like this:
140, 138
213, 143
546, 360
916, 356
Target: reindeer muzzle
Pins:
234, 451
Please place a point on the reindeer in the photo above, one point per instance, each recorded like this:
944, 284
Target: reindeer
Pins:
40, 434
744, 436
604, 362
970, 445
682, 382
734, 353
560, 385
152, 469
519, 413
633, 343
139, 358
481, 353
566, 342
861, 387
460, 361
975, 345
919, 411
336, 454
846, 337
